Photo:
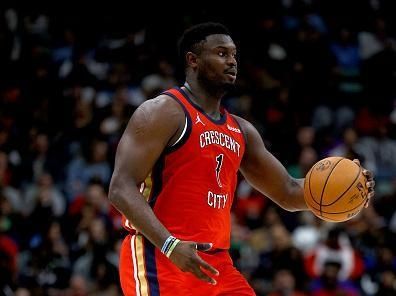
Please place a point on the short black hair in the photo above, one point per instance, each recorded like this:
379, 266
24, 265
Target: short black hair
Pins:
193, 36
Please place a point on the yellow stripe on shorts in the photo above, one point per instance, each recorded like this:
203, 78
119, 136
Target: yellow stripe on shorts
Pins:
141, 266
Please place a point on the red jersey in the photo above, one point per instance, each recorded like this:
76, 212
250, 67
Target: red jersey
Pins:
192, 185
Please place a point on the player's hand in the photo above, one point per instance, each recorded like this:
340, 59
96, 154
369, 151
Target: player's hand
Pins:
370, 182
185, 257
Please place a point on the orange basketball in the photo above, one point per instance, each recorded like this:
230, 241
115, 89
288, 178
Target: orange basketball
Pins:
335, 189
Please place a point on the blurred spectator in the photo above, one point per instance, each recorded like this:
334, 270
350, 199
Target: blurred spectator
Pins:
162, 79
78, 286
279, 115
371, 43
5, 170
98, 166
117, 119
330, 284
387, 282
337, 118
44, 198
240, 249
75, 184
308, 234
312, 61
83, 169
282, 255
336, 247
353, 146
250, 205
386, 154
8, 260
22, 292
63, 51
98, 265
305, 136
307, 158
284, 284
347, 64
39, 159
47, 264
95, 198
378, 79
10, 193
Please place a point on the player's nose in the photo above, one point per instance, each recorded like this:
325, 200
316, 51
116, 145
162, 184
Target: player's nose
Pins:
232, 62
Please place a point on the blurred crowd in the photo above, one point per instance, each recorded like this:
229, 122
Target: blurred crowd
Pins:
314, 81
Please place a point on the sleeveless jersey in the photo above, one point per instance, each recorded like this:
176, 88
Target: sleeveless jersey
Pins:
191, 187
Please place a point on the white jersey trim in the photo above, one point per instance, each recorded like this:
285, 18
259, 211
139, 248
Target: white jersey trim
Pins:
182, 134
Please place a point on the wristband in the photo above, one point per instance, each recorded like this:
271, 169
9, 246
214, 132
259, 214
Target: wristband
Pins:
172, 247
167, 244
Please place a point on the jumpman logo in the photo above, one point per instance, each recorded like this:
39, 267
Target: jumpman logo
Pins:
198, 120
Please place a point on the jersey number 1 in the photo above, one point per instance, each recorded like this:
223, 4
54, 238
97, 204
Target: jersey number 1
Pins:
219, 160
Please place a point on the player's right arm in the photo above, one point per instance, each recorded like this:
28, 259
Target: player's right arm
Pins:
156, 124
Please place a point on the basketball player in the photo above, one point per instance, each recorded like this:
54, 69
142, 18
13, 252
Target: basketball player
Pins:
175, 175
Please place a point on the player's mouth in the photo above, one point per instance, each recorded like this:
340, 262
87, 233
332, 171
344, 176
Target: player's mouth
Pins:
231, 73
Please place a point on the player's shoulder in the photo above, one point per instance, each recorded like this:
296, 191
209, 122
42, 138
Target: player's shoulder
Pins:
245, 125
162, 102
162, 107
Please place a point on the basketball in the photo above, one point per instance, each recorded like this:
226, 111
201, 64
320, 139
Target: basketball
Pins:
335, 189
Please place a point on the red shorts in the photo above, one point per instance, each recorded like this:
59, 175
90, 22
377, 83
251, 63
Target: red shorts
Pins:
145, 271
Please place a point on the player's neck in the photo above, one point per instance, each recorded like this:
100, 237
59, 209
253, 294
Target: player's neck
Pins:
205, 98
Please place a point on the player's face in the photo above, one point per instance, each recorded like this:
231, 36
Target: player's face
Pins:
217, 64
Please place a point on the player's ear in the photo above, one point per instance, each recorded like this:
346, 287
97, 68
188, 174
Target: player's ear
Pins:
191, 59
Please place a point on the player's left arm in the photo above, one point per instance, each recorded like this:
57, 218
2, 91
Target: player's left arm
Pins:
265, 173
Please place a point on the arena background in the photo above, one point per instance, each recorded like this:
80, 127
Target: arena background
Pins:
317, 78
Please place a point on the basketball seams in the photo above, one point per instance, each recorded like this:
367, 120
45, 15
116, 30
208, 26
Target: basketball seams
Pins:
335, 213
325, 183
350, 186
328, 177
309, 183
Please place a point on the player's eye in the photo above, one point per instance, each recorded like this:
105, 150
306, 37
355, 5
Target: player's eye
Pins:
222, 54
